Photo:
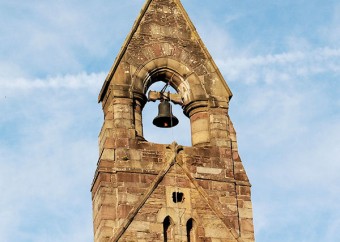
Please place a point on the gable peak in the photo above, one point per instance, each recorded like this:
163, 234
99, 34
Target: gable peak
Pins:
163, 29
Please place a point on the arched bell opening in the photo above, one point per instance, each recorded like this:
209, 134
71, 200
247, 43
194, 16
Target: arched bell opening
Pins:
189, 88
152, 113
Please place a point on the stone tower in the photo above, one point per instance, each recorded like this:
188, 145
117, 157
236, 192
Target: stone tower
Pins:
144, 191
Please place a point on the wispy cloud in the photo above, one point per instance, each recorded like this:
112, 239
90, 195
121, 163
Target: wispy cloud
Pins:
81, 80
46, 170
286, 109
49, 38
280, 67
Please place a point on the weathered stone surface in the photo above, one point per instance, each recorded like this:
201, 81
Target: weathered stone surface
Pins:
141, 188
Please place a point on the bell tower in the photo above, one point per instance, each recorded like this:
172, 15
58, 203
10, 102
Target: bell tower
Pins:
145, 191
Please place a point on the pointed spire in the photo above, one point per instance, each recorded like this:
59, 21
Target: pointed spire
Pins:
167, 22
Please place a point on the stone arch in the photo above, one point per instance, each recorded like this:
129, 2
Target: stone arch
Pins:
183, 79
196, 100
186, 82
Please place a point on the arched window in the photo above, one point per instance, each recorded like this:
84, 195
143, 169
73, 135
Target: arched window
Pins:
168, 229
191, 230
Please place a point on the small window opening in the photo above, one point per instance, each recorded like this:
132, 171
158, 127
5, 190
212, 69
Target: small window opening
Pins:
167, 229
190, 231
177, 197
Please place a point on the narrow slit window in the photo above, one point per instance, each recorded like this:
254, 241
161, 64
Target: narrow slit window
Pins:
191, 233
167, 229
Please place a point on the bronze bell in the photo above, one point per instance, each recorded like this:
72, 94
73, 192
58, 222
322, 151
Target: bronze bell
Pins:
165, 118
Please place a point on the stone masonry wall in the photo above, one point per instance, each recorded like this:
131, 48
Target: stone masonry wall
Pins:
214, 183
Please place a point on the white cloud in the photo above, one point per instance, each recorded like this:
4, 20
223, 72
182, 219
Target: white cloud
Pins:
81, 80
281, 67
48, 38
48, 154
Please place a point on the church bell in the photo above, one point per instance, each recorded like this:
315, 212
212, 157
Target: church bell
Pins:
165, 118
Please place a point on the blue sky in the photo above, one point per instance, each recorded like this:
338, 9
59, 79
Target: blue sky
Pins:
281, 59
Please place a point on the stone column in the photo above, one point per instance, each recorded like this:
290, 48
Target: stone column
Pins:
199, 121
139, 102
